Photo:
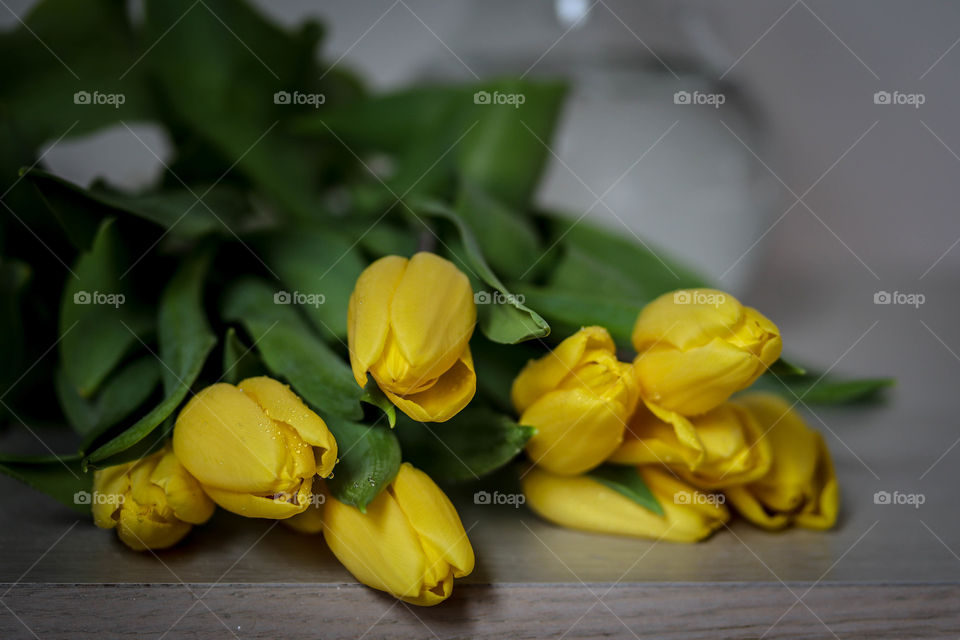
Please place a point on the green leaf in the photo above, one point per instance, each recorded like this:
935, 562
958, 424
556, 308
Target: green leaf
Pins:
828, 390
497, 365
474, 443
185, 213
369, 458
120, 396
55, 59
218, 65
567, 311
625, 480
98, 322
239, 361
508, 149
319, 269
600, 257
506, 238
503, 317
185, 341
60, 477
291, 350
373, 395
783, 367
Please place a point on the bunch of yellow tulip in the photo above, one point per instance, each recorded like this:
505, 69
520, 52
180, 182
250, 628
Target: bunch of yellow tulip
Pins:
670, 414
257, 450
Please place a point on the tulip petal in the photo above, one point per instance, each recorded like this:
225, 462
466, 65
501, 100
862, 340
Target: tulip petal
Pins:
435, 520
310, 521
368, 313
432, 316
283, 405
694, 381
691, 446
378, 547
113, 483
184, 494
225, 439
139, 531
580, 502
822, 509
576, 430
261, 506
750, 508
451, 392
545, 374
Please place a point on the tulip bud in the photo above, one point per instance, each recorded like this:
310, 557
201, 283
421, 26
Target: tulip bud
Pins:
254, 447
152, 502
409, 324
699, 346
580, 502
800, 487
409, 543
579, 398
734, 450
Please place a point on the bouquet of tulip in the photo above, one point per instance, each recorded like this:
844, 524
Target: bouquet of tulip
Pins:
330, 301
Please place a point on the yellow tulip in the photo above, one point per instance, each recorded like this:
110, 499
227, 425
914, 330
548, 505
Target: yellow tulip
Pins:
734, 450
152, 502
580, 502
409, 324
254, 447
801, 486
579, 398
697, 347
410, 542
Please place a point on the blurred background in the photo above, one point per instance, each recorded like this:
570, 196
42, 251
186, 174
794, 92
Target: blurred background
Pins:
717, 184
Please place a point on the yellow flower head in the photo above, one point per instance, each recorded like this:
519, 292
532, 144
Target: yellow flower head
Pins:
254, 447
410, 542
580, 502
733, 449
579, 398
801, 486
409, 324
697, 347
152, 502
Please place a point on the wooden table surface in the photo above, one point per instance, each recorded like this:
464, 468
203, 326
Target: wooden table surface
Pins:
886, 571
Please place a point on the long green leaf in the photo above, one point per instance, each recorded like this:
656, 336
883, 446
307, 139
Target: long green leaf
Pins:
185, 341
626, 481
472, 444
98, 321
504, 318
319, 268
291, 350
60, 477
369, 458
